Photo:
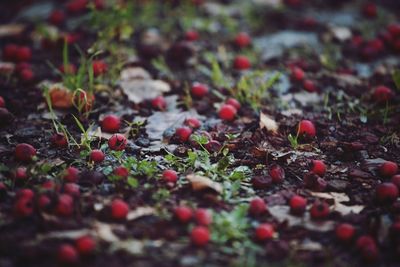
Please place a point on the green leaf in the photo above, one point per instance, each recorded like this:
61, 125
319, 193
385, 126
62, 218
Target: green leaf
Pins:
132, 182
396, 78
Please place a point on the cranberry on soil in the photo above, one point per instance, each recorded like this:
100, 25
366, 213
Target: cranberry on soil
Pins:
65, 205
241, 63
388, 169
264, 232
368, 249
159, 103
121, 171
85, 245
396, 180
306, 128
318, 167
24, 152
199, 90
382, 94
319, 210
20, 174
386, 193
117, 142
71, 175
298, 205
76, 6
57, 17
192, 35
345, 232
200, 236
23, 207
111, 124
277, 173
67, 254
170, 176
242, 40
2, 102
297, 74
119, 209
72, 189
24, 54
309, 86
59, 140
233, 102
257, 206
369, 10
203, 217
227, 112
97, 156
183, 213
193, 123
183, 133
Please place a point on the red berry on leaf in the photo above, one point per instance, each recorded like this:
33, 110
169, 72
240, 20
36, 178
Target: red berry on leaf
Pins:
386, 193
71, 175
199, 90
297, 205
193, 123
388, 168
227, 112
257, 206
200, 235
99, 67
306, 128
319, 210
242, 40
119, 209
183, 133
233, 102
65, 205
318, 167
264, 232
170, 176
117, 142
277, 173
383, 94
24, 152
97, 155
85, 245
203, 217
67, 254
241, 63
121, 171
345, 232
111, 124
183, 213
159, 103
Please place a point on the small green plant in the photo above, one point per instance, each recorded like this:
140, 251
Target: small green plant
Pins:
293, 141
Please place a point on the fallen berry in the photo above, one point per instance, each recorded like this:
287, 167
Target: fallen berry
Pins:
111, 124
2, 102
345, 232
26, 75
309, 86
233, 102
193, 123
396, 180
71, 175
97, 155
170, 176
183, 133
314, 182
318, 167
23, 207
25, 193
367, 246
59, 140
119, 209
241, 63
67, 254
199, 90
10, 52
72, 189
277, 173
297, 74
242, 39
227, 112
191, 35
200, 235
386, 193
159, 103
121, 171
57, 17
20, 174
388, 168
382, 94
203, 217
298, 205
183, 213
257, 206
76, 6
85, 245
306, 128
24, 54
369, 10
99, 67
65, 205
117, 142
24, 152
264, 232
319, 210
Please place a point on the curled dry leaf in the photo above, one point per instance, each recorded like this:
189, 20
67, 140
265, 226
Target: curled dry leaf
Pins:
338, 199
137, 84
268, 123
140, 212
11, 29
199, 183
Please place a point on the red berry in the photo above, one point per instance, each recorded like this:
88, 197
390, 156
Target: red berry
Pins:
59, 140
183, 213
97, 155
72, 189
25, 193
386, 192
241, 63
85, 245
119, 209
369, 10
43, 202
183, 133
111, 124
57, 17
368, 248
297, 205
26, 75
200, 235
394, 30
203, 217
2, 102
227, 112
49, 185
309, 86
193, 123
314, 182
345, 232
396, 180
159, 103
71, 175
233, 102
10, 52
297, 74
192, 35
23, 207
170, 176
76, 6
319, 210
99, 67
318, 167
199, 90
117, 142
277, 173
357, 41
383, 94
242, 40
264, 232
65, 205
257, 206
306, 128
24, 152
388, 168
24, 53
121, 171
20, 174
67, 254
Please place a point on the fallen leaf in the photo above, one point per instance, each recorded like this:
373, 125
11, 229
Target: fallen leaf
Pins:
11, 29
338, 206
140, 212
199, 183
268, 123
